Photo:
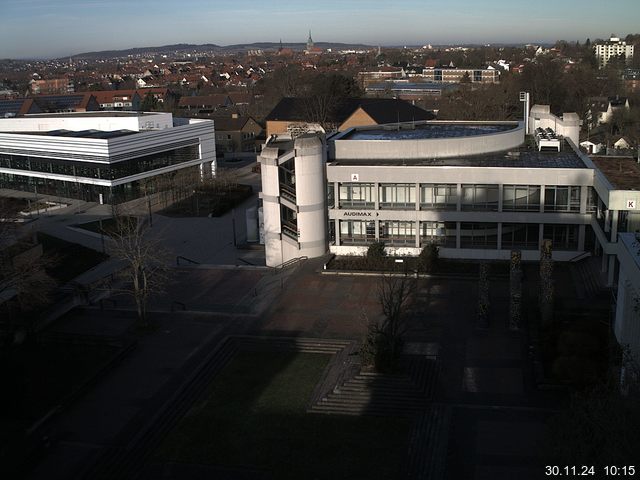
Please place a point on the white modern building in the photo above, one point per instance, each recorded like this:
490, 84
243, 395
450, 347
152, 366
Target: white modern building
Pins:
627, 322
102, 156
477, 189
612, 48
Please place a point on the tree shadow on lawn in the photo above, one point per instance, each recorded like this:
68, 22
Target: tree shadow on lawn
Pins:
254, 416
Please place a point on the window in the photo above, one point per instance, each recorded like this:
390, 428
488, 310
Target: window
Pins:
521, 198
592, 200
357, 232
480, 197
331, 195
440, 233
479, 235
289, 222
522, 236
561, 199
398, 233
356, 195
401, 195
563, 237
438, 197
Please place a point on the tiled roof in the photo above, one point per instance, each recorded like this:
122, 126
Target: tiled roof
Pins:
382, 110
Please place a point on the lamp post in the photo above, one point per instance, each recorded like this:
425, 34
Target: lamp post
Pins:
524, 97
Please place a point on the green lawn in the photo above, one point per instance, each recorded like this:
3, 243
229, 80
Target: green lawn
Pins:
255, 416
69, 259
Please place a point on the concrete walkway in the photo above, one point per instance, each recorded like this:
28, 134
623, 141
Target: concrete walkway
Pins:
149, 374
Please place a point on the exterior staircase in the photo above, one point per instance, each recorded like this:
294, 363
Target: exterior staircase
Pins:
371, 393
428, 443
590, 282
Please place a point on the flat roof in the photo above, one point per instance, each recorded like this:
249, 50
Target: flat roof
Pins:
425, 131
622, 172
93, 114
523, 157
97, 134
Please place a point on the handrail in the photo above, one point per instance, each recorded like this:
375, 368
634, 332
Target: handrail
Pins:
288, 263
186, 259
580, 256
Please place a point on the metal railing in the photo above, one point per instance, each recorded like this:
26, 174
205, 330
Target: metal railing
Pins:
188, 260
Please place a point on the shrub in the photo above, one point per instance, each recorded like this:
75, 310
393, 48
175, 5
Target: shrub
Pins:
428, 258
376, 256
376, 251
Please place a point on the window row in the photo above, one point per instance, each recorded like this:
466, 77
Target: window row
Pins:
523, 236
110, 171
472, 197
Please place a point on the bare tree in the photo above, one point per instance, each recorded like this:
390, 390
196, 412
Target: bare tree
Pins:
384, 339
146, 267
25, 285
22, 263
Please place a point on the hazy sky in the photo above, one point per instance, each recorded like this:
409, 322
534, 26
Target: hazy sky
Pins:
55, 28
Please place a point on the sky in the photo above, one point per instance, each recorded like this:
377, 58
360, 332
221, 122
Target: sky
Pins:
58, 28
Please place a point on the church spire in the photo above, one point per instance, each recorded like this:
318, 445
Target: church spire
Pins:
309, 41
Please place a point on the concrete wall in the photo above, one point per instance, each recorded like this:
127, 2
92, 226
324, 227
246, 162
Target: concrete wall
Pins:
311, 194
428, 147
271, 206
568, 125
453, 174
454, 253
627, 322
47, 122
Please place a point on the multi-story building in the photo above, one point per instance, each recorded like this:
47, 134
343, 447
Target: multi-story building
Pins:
612, 48
107, 157
114, 100
477, 189
53, 86
236, 135
458, 75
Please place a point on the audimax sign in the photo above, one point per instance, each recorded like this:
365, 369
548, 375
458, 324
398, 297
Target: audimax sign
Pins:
360, 214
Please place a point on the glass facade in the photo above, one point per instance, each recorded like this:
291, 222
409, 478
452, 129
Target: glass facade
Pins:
521, 198
106, 171
479, 235
438, 197
397, 195
182, 179
398, 233
563, 237
440, 233
520, 236
357, 195
357, 232
480, 197
561, 199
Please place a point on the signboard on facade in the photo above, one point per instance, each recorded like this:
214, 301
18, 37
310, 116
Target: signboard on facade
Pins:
631, 204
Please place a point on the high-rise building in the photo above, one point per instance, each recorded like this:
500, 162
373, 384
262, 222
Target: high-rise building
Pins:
612, 48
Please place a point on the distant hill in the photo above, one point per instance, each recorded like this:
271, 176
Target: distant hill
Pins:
208, 47
179, 47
